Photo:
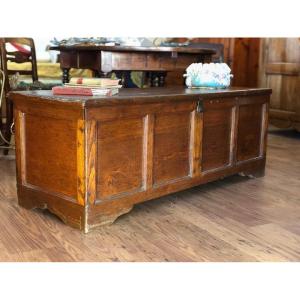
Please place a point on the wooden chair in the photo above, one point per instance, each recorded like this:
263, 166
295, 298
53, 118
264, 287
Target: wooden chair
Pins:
21, 55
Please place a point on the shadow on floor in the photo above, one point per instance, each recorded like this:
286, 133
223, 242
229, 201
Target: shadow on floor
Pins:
290, 133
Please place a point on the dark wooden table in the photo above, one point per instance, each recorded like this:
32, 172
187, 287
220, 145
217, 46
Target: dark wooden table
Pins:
90, 159
157, 61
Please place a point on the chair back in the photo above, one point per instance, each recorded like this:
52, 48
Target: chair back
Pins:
21, 55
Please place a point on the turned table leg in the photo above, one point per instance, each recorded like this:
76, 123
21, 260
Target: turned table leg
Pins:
100, 74
157, 79
65, 75
162, 77
154, 80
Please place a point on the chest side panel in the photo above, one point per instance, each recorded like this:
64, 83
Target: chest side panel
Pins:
51, 154
251, 129
218, 126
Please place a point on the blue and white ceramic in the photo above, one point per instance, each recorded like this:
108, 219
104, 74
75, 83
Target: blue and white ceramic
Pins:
213, 75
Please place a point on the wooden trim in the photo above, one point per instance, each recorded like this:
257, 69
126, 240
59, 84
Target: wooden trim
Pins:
252, 159
119, 195
264, 130
107, 113
80, 163
262, 78
233, 130
22, 146
170, 181
234, 133
148, 151
281, 68
49, 192
19, 146
57, 111
196, 143
21, 72
218, 169
69, 212
91, 153
186, 182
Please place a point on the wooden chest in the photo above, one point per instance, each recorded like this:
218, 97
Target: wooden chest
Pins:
89, 159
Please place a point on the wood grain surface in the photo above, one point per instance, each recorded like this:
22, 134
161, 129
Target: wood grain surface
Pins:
109, 158
120, 144
235, 219
280, 70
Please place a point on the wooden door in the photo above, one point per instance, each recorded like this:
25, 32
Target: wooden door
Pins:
280, 70
218, 134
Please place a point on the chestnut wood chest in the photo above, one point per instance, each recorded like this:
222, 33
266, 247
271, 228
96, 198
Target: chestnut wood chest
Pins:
90, 159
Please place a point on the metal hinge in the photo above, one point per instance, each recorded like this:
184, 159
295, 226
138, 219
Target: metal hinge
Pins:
199, 107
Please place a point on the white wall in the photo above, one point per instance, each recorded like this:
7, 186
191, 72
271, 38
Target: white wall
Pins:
40, 47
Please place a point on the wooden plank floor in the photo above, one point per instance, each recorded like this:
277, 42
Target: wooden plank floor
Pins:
236, 219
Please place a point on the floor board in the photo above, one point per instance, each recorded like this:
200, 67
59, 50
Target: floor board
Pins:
234, 219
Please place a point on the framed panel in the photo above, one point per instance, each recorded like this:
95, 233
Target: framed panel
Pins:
119, 157
171, 151
218, 126
249, 133
51, 158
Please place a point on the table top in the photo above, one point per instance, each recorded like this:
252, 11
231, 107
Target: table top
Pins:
92, 47
146, 95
